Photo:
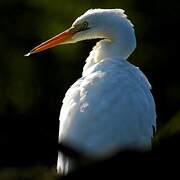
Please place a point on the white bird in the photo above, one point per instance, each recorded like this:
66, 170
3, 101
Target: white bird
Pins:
110, 107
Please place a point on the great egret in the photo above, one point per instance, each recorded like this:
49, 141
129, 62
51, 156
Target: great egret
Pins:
110, 107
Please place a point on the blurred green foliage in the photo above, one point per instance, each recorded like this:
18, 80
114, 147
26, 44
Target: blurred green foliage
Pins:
171, 128
26, 24
31, 173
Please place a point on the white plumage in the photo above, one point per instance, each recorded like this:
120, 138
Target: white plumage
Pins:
110, 107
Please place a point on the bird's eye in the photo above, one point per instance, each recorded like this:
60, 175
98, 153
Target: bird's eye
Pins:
85, 25
82, 27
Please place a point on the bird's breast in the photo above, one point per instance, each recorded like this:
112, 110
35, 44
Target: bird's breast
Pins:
109, 107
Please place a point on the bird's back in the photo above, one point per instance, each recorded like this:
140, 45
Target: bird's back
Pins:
108, 109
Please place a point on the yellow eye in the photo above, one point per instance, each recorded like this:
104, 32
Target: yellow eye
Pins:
82, 27
85, 25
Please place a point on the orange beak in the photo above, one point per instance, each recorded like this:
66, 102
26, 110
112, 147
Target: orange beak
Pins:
54, 41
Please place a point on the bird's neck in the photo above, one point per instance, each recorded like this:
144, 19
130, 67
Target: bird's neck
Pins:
104, 49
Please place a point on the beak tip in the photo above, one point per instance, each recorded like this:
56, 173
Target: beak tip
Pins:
28, 54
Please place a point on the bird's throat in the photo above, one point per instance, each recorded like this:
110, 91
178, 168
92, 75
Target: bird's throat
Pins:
104, 49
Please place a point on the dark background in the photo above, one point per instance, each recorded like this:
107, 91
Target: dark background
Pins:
32, 88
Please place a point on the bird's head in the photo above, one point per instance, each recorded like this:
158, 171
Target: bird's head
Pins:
111, 24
